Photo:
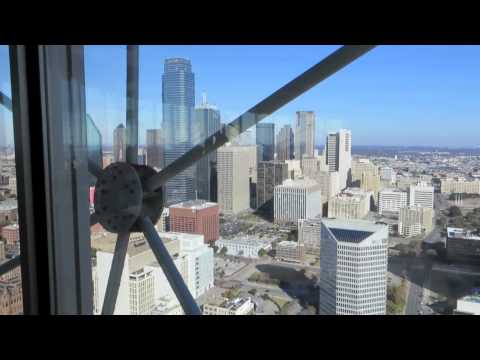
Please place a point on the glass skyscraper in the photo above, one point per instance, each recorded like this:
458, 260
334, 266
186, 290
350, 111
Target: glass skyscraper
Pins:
304, 134
178, 99
207, 122
266, 140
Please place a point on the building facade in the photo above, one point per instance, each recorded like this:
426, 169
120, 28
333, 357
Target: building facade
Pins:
237, 306
154, 151
421, 195
353, 274
196, 217
338, 155
269, 175
119, 143
297, 199
290, 251
247, 247
391, 200
304, 134
178, 103
415, 219
309, 235
352, 203
462, 246
266, 140
285, 144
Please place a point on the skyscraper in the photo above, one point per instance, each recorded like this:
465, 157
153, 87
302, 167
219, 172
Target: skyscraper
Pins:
338, 154
304, 134
178, 99
207, 122
269, 175
119, 143
155, 148
421, 194
266, 139
353, 274
284, 145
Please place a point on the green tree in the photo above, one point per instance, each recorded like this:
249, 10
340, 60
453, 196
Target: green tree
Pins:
252, 292
262, 252
215, 249
454, 211
223, 251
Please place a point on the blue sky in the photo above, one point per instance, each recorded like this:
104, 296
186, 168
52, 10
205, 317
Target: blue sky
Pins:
394, 95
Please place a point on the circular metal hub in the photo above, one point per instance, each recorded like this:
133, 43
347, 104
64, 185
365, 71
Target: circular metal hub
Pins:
118, 197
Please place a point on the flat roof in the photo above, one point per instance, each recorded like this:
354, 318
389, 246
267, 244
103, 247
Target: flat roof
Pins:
461, 233
194, 204
351, 236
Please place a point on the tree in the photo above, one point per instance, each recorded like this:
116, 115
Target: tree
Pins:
252, 292
454, 211
215, 249
223, 251
262, 252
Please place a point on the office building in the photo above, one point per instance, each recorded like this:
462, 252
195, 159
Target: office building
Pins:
290, 251
421, 195
178, 102
11, 301
329, 184
163, 224
361, 166
297, 199
285, 144
388, 174
294, 169
154, 151
269, 175
245, 246
353, 273
237, 306
415, 219
469, 304
459, 186
11, 235
207, 123
233, 174
191, 256
196, 217
309, 235
119, 143
310, 166
391, 200
304, 134
462, 246
338, 155
351, 203
8, 211
2, 251
266, 140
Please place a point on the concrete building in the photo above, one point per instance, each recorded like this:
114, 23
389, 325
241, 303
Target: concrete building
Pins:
309, 235
294, 169
8, 211
469, 304
338, 155
11, 234
237, 306
415, 219
285, 144
310, 166
163, 224
2, 251
246, 246
304, 134
192, 257
11, 301
353, 274
119, 143
388, 174
297, 199
329, 184
269, 175
459, 186
462, 246
154, 151
233, 172
196, 217
366, 175
421, 195
291, 251
391, 200
352, 203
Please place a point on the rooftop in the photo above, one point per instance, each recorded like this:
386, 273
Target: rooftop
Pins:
234, 304
286, 243
299, 183
352, 230
194, 204
460, 233
348, 235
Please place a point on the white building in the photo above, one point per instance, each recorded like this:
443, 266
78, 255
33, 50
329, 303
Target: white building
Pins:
233, 173
415, 219
192, 257
338, 154
297, 199
353, 273
388, 174
391, 200
470, 304
352, 203
294, 168
244, 246
237, 306
329, 184
421, 195
309, 235
290, 251
459, 186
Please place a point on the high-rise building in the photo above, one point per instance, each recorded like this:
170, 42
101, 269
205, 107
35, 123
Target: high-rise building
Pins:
310, 166
178, 100
388, 174
391, 200
119, 143
309, 234
353, 273
297, 199
196, 217
421, 195
415, 219
351, 203
207, 122
338, 154
329, 184
269, 175
294, 169
155, 148
304, 134
266, 140
233, 178
285, 144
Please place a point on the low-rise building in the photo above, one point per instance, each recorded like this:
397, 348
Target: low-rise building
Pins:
415, 219
309, 235
11, 235
391, 200
459, 186
237, 306
8, 211
352, 203
11, 302
462, 246
290, 251
244, 246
